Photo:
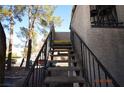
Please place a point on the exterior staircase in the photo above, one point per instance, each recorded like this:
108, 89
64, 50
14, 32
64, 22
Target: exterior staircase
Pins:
63, 75
65, 61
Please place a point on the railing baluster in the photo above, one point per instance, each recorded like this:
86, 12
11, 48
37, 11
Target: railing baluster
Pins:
99, 75
86, 65
90, 68
84, 73
94, 72
82, 63
36, 73
33, 78
106, 80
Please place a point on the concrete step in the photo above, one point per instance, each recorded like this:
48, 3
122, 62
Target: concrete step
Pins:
63, 69
61, 54
61, 50
61, 44
62, 47
64, 79
64, 54
64, 61
61, 61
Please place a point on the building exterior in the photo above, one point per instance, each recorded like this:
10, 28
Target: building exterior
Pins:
105, 41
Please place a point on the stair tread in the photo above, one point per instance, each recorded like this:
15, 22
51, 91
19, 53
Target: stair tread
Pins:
64, 68
62, 47
61, 54
64, 61
65, 49
64, 79
59, 50
62, 44
62, 41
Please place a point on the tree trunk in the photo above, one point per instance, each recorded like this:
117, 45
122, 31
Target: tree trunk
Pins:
24, 55
2, 54
29, 54
30, 41
10, 43
31, 29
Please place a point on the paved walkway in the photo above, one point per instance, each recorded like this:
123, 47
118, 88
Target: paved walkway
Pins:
15, 77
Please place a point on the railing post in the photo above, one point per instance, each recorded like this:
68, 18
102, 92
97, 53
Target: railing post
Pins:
45, 55
99, 75
72, 38
82, 63
90, 75
94, 74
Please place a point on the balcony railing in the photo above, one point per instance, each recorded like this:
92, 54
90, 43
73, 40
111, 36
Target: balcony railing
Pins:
104, 16
93, 71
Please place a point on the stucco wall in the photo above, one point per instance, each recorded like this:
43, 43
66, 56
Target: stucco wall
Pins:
62, 36
120, 12
106, 43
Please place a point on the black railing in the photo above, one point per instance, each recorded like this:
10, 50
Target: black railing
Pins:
37, 72
93, 71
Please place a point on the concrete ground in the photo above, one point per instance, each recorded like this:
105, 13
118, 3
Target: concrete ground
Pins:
15, 77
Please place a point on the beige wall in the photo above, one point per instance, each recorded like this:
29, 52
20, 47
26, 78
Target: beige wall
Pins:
120, 12
106, 43
62, 36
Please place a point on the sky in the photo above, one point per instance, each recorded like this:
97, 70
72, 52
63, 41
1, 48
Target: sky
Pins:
64, 11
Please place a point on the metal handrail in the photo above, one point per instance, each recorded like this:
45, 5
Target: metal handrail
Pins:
94, 72
36, 74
